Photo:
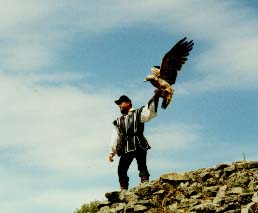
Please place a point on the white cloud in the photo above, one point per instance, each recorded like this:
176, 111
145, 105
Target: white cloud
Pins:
230, 65
53, 131
15, 14
54, 124
25, 57
174, 136
230, 41
229, 61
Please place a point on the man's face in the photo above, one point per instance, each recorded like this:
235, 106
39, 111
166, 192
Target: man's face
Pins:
124, 107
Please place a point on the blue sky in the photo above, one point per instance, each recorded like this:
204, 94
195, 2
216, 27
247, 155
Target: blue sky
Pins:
63, 64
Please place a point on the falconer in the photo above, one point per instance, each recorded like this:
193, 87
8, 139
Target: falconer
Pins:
128, 141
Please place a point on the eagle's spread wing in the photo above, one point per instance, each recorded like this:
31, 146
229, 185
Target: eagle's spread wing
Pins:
174, 60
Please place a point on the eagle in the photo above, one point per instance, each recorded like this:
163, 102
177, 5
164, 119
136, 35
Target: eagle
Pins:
165, 75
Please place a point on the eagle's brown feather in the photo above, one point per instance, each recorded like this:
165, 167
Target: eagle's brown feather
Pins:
164, 76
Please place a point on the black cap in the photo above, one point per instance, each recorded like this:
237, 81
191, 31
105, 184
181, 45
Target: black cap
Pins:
122, 98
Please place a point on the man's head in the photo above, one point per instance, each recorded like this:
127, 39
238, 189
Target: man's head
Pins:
124, 104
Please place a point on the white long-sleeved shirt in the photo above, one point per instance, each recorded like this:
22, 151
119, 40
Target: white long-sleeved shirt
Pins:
148, 112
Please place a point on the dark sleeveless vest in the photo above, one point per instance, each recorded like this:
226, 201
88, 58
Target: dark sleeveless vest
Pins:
131, 132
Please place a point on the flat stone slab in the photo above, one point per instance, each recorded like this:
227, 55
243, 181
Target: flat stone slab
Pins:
221, 166
252, 165
177, 177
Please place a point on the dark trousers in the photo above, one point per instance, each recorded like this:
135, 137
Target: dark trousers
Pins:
126, 160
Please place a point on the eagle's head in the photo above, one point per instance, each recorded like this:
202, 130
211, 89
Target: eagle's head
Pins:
150, 78
155, 74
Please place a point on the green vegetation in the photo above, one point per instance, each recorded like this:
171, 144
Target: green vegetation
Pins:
88, 208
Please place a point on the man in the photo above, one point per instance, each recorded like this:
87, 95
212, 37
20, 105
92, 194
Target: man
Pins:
128, 141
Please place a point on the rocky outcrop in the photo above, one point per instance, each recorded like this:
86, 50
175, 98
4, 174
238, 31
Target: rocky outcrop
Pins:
225, 188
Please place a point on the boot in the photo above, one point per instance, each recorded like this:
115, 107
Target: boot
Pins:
124, 184
144, 179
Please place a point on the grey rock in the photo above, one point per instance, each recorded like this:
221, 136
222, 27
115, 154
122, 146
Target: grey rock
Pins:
128, 196
250, 208
211, 191
103, 204
198, 196
233, 211
120, 207
230, 169
160, 192
253, 186
173, 207
205, 176
211, 181
245, 198
104, 209
205, 207
255, 197
221, 166
252, 165
231, 199
240, 164
193, 202
174, 177
225, 188
235, 191
222, 190
139, 208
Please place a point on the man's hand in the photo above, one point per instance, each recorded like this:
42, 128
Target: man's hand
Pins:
157, 92
110, 158
162, 94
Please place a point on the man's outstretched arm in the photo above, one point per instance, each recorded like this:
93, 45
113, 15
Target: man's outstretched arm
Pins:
149, 111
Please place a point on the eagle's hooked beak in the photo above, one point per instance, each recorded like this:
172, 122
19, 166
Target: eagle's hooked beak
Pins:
146, 79
150, 78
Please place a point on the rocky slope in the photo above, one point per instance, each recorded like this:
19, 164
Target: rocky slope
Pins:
224, 188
